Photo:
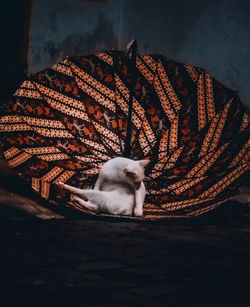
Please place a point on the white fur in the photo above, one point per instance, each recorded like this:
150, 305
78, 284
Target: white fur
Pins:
119, 188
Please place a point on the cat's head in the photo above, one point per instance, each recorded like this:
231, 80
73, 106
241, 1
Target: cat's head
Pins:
134, 172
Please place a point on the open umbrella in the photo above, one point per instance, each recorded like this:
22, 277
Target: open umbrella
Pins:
64, 122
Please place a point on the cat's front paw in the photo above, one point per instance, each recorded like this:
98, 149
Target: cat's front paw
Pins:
138, 212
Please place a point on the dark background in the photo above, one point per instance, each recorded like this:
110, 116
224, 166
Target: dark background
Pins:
14, 25
210, 34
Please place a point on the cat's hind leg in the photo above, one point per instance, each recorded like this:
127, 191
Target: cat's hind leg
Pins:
69, 188
101, 198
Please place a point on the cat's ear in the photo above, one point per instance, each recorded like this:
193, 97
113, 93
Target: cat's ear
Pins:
144, 163
129, 173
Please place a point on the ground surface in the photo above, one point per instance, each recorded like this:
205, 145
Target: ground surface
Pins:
94, 262
90, 262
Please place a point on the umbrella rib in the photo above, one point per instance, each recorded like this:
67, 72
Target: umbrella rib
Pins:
144, 147
139, 130
154, 76
130, 54
115, 71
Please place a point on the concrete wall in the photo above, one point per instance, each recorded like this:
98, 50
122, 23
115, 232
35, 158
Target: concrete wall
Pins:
211, 34
63, 27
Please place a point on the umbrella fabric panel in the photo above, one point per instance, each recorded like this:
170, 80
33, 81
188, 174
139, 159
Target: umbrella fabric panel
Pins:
63, 123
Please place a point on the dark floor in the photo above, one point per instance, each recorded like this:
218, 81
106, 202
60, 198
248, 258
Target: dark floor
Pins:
93, 262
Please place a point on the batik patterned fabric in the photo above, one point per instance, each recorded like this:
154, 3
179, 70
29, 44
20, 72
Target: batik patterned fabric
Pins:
64, 122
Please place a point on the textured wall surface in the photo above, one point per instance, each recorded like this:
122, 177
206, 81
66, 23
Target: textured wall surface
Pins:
62, 28
210, 34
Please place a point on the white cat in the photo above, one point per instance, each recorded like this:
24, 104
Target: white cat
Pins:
119, 188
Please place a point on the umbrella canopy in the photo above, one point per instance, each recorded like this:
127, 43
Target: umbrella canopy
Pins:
64, 122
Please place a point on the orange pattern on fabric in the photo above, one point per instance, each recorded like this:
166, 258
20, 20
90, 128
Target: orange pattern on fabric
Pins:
63, 123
